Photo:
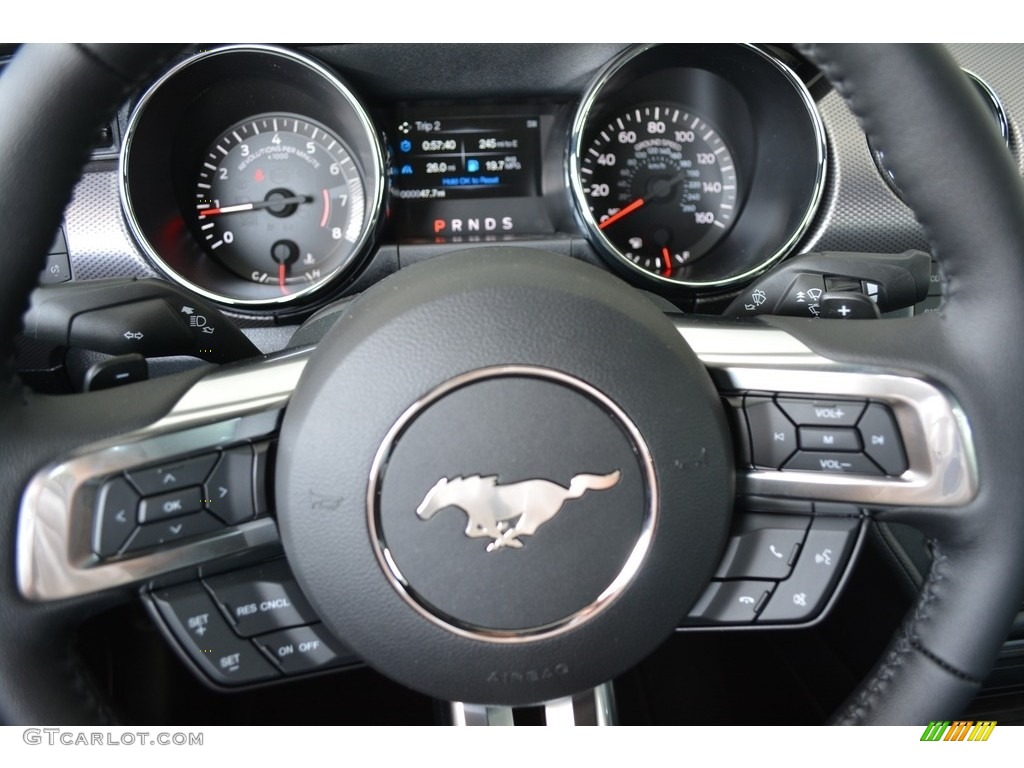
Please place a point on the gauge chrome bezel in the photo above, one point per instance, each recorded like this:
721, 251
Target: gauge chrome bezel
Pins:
585, 113
374, 178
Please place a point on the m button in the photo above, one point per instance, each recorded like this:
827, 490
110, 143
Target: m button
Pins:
825, 439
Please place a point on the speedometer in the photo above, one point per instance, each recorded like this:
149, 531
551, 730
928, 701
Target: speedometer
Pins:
694, 168
661, 184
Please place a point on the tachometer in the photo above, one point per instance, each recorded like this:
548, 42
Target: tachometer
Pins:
661, 185
279, 200
254, 176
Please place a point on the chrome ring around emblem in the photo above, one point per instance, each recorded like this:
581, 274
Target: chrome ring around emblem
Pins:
505, 535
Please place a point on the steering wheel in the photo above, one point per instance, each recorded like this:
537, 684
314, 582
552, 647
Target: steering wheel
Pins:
491, 357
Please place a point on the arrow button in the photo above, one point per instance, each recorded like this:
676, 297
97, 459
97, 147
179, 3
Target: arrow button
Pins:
115, 517
229, 489
169, 534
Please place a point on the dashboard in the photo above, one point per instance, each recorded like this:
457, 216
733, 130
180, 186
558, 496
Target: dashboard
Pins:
274, 180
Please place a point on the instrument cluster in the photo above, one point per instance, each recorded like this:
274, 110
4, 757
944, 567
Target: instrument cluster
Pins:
258, 177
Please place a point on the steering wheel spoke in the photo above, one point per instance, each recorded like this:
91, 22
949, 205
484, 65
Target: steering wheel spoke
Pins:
808, 427
185, 490
821, 447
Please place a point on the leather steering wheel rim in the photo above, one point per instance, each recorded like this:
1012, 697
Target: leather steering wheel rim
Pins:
916, 107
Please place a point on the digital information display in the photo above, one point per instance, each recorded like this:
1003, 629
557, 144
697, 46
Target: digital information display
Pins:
459, 157
462, 176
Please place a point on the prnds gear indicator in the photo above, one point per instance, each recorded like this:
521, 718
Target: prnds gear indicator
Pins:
661, 185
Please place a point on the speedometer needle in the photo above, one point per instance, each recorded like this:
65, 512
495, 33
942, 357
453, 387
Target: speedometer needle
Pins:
620, 213
273, 202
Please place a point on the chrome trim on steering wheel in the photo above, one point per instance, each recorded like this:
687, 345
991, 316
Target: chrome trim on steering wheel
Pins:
592, 707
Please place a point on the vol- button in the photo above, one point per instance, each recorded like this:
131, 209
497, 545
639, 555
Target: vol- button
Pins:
841, 463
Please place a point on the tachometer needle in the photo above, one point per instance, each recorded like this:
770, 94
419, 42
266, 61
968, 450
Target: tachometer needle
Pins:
667, 271
274, 202
620, 213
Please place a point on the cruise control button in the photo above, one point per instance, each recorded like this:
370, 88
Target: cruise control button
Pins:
825, 413
842, 463
262, 599
772, 436
764, 547
179, 474
229, 489
172, 531
882, 439
301, 649
198, 625
115, 517
173, 504
822, 560
825, 439
731, 602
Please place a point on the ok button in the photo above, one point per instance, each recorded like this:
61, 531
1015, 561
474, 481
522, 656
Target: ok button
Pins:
166, 505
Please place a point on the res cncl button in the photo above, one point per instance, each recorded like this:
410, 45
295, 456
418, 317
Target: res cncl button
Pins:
262, 599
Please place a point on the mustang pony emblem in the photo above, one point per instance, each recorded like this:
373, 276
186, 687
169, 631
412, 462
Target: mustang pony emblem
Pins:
492, 508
